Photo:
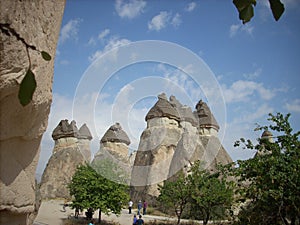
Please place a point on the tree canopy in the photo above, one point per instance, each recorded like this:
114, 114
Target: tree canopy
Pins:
91, 190
269, 183
210, 194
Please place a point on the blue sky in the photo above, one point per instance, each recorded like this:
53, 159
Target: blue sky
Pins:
254, 67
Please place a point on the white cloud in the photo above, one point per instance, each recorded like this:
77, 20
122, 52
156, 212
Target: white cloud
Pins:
113, 43
176, 20
131, 9
163, 19
103, 34
180, 83
235, 28
242, 91
69, 30
159, 21
92, 41
293, 106
253, 75
190, 7
243, 126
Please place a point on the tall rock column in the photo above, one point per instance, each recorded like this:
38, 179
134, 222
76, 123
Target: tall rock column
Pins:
35, 23
208, 128
156, 148
69, 152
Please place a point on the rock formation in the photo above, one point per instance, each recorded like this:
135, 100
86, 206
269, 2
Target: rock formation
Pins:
156, 148
72, 148
174, 138
114, 153
36, 23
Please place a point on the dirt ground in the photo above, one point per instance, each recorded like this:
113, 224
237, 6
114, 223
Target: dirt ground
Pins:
51, 213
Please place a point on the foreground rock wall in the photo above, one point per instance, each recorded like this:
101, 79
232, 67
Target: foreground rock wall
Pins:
38, 24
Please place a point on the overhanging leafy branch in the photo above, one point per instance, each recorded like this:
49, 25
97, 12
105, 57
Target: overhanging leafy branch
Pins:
28, 84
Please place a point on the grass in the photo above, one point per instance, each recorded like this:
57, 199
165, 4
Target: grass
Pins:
82, 221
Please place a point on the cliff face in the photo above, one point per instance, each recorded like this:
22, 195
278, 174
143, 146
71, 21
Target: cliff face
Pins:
38, 24
72, 148
174, 138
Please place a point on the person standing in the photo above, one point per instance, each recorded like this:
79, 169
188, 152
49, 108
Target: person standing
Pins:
130, 204
139, 206
145, 205
140, 221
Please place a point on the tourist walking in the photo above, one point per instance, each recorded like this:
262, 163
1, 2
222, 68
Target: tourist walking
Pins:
139, 206
145, 205
130, 204
140, 221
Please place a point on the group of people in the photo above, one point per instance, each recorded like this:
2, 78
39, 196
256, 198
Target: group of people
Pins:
140, 206
137, 221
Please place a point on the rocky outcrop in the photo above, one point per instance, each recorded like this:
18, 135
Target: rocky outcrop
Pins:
114, 153
36, 23
174, 138
72, 148
156, 148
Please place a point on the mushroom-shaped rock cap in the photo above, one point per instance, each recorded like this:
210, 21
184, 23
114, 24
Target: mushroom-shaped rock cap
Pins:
163, 108
185, 112
266, 134
64, 129
205, 117
84, 132
115, 134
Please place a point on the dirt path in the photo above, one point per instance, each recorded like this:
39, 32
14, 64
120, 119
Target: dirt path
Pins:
51, 213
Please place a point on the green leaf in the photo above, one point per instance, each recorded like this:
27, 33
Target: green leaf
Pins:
277, 8
246, 14
46, 55
27, 88
241, 4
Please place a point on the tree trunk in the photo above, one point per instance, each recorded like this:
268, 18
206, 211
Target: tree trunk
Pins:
206, 218
99, 216
178, 220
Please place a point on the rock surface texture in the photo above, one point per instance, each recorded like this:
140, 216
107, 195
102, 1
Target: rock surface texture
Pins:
36, 23
72, 148
174, 138
114, 152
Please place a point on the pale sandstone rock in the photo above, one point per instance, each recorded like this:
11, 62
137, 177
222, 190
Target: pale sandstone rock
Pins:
59, 171
38, 23
114, 150
156, 148
175, 137
72, 148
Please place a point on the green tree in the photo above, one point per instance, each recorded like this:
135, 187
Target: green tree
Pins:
175, 194
91, 190
111, 170
269, 183
212, 194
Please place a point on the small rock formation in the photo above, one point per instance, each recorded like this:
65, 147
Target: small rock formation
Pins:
38, 24
72, 148
114, 151
174, 138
